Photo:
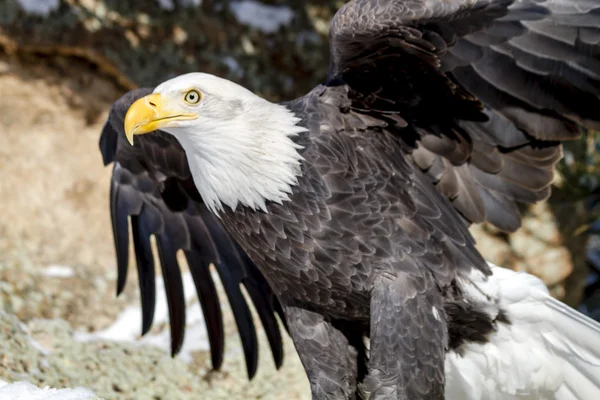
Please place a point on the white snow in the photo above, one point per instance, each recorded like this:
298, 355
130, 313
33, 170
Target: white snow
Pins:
40, 7
267, 18
168, 4
27, 391
233, 66
127, 326
191, 2
58, 271
38, 346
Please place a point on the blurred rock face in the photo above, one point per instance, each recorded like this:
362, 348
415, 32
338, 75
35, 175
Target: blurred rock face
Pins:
275, 48
57, 261
537, 248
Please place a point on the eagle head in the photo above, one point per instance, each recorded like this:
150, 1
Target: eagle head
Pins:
238, 145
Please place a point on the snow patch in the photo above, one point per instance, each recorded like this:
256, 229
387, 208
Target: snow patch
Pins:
38, 346
39, 7
168, 4
126, 328
233, 66
27, 391
267, 18
58, 271
195, 3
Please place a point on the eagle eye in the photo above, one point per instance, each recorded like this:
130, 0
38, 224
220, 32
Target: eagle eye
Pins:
193, 97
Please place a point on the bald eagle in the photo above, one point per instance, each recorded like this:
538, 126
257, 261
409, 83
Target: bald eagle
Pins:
347, 209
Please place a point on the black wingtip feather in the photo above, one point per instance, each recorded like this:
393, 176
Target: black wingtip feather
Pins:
231, 271
108, 143
265, 312
265, 303
146, 274
173, 289
243, 318
120, 227
170, 212
279, 310
209, 301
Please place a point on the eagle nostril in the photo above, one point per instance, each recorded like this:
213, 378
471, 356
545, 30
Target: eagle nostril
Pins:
152, 104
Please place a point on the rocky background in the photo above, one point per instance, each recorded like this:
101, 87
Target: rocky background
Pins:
62, 64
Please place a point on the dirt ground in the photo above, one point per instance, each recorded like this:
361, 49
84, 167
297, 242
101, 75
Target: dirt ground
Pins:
54, 202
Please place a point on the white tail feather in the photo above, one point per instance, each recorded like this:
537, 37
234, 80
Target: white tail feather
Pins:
549, 351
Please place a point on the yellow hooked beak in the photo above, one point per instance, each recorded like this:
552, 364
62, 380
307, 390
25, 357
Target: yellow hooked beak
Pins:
151, 113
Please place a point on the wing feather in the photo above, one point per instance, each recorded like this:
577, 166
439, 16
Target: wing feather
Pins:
487, 89
146, 274
151, 184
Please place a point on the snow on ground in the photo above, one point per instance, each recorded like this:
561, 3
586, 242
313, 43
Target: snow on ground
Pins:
58, 271
168, 4
233, 66
27, 391
128, 324
267, 18
40, 7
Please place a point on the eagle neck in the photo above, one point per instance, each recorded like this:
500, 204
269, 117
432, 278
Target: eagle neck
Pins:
248, 160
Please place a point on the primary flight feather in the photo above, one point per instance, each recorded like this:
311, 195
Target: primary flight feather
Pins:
151, 184
354, 200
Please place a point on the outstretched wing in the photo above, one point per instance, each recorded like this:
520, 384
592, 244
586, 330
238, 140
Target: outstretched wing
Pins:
480, 92
152, 185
